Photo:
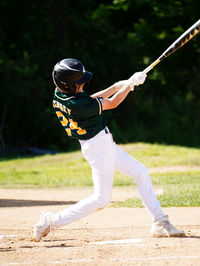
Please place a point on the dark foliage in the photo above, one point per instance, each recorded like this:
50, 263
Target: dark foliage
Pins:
113, 39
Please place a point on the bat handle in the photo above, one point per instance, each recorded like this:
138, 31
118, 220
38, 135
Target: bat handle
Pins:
146, 70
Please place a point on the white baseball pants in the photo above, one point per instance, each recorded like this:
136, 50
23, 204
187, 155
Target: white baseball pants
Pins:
104, 157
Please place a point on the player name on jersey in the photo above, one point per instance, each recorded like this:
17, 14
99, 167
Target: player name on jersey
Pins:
62, 107
80, 115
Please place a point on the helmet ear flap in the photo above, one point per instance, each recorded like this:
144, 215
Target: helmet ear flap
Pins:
68, 87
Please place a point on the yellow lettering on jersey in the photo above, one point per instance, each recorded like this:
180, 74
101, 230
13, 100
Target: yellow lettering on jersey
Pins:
60, 107
81, 131
62, 118
55, 104
68, 130
69, 111
73, 125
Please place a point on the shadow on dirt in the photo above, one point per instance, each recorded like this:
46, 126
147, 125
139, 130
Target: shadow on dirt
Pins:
196, 237
4, 203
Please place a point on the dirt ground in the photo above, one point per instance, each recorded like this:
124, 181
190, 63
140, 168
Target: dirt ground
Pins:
113, 236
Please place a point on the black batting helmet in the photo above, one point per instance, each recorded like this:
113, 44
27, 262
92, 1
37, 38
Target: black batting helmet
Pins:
70, 71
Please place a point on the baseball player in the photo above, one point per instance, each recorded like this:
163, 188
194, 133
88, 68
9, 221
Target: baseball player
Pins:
82, 117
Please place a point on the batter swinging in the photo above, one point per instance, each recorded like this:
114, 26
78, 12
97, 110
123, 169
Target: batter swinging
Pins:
82, 117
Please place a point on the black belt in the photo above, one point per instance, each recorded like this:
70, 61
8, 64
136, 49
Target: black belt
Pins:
106, 130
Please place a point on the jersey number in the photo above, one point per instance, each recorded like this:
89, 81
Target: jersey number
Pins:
72, 125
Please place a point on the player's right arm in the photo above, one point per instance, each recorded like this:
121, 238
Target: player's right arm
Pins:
117, 98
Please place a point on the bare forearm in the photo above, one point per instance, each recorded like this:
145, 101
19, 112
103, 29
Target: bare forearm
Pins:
106, 93
120, 95
116, 99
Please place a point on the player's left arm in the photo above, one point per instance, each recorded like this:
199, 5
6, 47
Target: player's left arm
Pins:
124, 88
137, 79
110, 90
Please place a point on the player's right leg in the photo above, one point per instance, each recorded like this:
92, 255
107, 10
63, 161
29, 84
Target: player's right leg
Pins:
100, 154
43, 227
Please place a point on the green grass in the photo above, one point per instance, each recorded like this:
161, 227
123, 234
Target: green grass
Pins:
69, 169
154, 155
176, 169
172, 196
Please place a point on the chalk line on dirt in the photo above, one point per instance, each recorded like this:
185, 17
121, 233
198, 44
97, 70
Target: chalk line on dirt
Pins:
121, 241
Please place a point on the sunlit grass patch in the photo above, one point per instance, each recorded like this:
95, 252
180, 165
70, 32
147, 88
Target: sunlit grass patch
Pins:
173, 168
185, 195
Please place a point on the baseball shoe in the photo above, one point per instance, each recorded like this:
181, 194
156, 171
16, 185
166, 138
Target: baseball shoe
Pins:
163, 228
43, 227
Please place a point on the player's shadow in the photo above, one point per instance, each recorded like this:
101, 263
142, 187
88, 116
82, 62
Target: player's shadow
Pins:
6, 249
196, 237
4, 203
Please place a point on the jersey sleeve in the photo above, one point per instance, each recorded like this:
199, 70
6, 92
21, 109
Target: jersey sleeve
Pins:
100, 105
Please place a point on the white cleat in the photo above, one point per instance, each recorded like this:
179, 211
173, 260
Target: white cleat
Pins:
43, 227
163, 228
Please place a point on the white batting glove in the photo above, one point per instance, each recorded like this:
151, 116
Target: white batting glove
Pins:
130, 83
138, 78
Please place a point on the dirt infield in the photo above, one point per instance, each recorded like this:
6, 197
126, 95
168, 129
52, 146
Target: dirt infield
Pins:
113, 236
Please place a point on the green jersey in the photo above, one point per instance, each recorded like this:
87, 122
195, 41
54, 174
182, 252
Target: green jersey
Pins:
80, 115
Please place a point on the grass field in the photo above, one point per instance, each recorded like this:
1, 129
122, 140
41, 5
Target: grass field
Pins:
173, 168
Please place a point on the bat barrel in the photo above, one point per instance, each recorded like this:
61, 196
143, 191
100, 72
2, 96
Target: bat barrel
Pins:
184, 38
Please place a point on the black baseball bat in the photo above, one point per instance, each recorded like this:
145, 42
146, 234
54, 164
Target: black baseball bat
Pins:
183, 39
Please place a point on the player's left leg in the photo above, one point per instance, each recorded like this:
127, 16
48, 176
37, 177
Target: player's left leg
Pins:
129, 166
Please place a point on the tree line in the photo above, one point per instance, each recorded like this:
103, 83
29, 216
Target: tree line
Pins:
113, 39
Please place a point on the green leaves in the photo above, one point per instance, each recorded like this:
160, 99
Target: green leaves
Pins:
113, 39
